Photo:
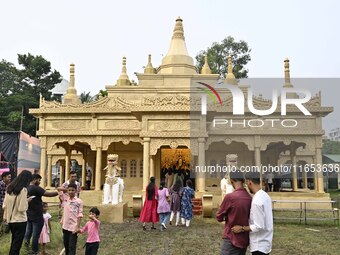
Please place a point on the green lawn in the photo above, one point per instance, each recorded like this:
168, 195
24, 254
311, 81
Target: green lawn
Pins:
203, 237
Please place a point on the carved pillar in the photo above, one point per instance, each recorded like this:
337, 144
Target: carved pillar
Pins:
257, 157
43, 167
49, 171
67, 163
200, 178
319, 170
293, 169
83, 172
61, 176
152, 165
304, 176
146, 161
98, 168
315, 175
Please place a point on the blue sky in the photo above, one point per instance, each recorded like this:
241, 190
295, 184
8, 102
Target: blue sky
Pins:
95, 35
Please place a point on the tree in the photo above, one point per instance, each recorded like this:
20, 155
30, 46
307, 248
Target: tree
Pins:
37, 76
8, 78
101, 93
331, 147
86, 97
218, 57
20, 90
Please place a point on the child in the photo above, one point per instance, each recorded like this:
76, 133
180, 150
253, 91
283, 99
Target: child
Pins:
92, 228
163, 208
187, 195
175, 202
72, 214
46, 230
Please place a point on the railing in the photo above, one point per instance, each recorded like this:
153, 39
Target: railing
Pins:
304, 208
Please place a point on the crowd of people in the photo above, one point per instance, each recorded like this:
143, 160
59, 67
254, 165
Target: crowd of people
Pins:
165, 201
28, 220
248, 220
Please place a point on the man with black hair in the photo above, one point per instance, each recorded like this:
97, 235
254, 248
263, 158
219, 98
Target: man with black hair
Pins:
72, 179
5, 180
260, 225
35, 221
234, 210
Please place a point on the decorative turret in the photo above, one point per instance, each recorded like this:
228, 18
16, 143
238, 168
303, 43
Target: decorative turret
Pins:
287, 83
177, 60
206, 69
71, 96
149, 68
123, 78
230, 77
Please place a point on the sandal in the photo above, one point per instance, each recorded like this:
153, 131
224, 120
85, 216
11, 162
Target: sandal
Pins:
144, 227
153, 227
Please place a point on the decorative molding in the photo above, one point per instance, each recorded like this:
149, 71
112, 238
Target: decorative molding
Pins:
120, 124
156, 143
168, 125
173, 145
68, 124
173, 100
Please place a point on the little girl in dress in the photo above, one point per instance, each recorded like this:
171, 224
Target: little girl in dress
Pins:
45, 232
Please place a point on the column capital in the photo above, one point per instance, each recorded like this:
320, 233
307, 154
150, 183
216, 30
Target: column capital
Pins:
146, 139
201, 140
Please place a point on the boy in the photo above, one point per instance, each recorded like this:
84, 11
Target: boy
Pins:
92, 228
72, 214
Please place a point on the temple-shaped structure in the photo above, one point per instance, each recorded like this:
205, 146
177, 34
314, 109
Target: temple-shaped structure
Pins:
137, 121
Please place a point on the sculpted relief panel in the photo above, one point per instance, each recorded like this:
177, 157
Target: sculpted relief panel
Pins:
68, 124
172, 125
118, 124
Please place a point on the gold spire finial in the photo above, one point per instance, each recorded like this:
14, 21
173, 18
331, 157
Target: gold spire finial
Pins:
287, 83
123, 79
287, 73
206, 69
178, 30
71, 96
177, 60
230, 77
149, 68
71, 75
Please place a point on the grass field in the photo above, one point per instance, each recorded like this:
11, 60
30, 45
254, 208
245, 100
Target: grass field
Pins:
202, 237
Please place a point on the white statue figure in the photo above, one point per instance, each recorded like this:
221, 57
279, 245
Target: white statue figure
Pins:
226, 187
114, 185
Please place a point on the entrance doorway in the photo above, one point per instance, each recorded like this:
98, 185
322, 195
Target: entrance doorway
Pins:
176, 162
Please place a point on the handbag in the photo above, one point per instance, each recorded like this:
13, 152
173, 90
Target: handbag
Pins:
5, 225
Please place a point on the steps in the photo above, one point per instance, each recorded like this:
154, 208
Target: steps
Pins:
197, 206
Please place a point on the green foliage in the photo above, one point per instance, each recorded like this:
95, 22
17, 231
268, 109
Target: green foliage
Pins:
218, 57
101, 93
20, 89
331, 147
86, 97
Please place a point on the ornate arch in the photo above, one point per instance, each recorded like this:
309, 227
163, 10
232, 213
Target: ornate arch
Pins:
247, 140
156, 143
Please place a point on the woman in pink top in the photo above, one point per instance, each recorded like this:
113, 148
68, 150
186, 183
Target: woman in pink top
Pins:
92, 228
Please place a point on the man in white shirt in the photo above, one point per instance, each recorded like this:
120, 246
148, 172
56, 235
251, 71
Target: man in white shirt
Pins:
261, 218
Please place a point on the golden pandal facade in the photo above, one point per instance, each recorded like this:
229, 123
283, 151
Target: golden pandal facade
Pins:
137, 120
